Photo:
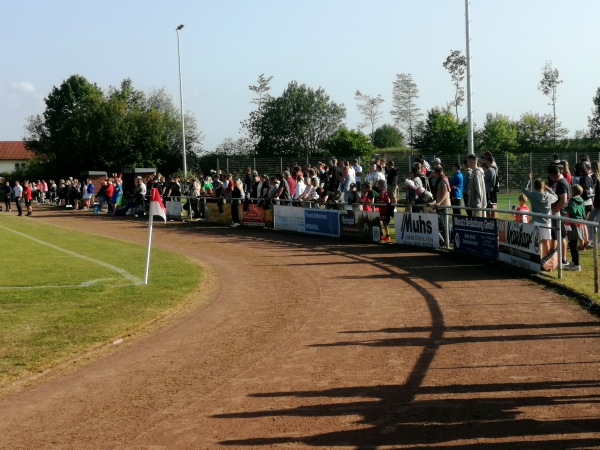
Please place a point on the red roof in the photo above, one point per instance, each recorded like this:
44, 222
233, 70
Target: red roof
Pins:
14, 150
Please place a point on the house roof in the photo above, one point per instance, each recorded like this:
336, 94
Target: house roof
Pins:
14, 150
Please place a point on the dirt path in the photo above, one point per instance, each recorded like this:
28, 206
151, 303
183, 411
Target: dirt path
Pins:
319, 343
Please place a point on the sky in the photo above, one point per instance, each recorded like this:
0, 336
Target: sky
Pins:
338, 45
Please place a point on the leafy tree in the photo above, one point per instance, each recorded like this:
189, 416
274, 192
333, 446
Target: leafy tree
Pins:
233, 147
83, 129
404, 107
594, 119
456, 65
369, 108
348, 143
441, 134
548, 85
499, 134
535, 131
66, 136
262, 90
387, 136
295, 123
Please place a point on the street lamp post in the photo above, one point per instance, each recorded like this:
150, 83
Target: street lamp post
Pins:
178, 29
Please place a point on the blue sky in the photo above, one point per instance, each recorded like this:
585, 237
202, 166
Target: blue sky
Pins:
339, 45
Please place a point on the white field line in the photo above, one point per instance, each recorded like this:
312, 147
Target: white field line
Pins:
133, 279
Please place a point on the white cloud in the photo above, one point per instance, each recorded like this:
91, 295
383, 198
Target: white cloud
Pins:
22, 86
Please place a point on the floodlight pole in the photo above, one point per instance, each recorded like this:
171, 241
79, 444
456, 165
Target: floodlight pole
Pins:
178, 29
469, 105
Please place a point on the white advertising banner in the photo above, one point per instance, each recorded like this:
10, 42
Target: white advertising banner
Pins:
519, 244
420, 229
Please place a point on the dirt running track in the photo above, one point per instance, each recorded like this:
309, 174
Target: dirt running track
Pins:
307, 342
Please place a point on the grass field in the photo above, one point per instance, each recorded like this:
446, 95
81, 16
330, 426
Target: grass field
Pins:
62, 292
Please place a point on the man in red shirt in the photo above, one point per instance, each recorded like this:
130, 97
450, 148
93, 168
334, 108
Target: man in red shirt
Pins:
27, 196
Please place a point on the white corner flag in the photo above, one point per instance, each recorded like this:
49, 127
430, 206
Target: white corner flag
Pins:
156, 209
156, 206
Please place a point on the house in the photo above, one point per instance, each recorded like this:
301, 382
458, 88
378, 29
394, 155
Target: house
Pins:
13, 156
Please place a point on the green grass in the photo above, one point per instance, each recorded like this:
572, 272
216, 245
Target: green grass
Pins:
46, 315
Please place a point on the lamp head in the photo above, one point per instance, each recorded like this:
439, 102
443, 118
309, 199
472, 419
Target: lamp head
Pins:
179, 27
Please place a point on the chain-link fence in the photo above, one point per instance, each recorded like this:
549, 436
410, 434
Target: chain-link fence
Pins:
513, 169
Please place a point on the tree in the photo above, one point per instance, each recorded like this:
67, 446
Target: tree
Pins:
233, 147
66, 136
594, 120
262, 90
369, 108
295, 123
535, 131
456, 65
441, 134
83, 129
387, 136
404, 107
548, 85
499, 134
348, 143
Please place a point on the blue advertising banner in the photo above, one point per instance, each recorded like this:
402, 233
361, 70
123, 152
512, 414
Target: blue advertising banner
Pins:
475, 236
322, 222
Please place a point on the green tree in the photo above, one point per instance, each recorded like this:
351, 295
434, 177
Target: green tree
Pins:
441, 134
66, 135
348, 143
369, 108
83, 129
456, 65
404, 105
262, 90
535, 131
548, 86
499, 134
295, 123
594, 119
387, 136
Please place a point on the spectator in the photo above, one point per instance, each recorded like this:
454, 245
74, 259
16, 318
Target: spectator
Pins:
237, 194
139, 195
6, 193
368, 196
108, 194
595, 214
467, 172
561, 188
490, 180
392, 182
456, 188
576, 210
357, 172
588, 185
477, 197
290, 182
28, 196
523, 218
541, 197
385, 211
17, 194
564, 169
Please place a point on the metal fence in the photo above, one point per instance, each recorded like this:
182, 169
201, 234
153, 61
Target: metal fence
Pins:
513, 169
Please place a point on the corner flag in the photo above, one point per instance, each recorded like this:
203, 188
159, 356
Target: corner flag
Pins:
156, 205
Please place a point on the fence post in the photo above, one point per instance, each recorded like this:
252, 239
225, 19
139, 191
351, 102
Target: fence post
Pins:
218, 170
227, 165
507, 192
254, 163
281, 164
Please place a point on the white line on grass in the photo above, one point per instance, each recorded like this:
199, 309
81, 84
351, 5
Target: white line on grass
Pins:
123, 273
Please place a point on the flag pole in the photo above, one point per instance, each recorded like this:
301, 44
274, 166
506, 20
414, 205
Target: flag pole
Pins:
148, 250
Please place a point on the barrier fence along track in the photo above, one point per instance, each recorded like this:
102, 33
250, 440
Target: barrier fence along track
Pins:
342, 207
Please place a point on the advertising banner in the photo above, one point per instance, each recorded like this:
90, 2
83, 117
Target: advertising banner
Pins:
322, 222
218, 214
254, 216
289, 218
359, 225
420, 229
519, 244
476, 236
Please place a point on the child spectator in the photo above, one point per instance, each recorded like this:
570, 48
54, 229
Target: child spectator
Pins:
385, 211
522, 207
576, 210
